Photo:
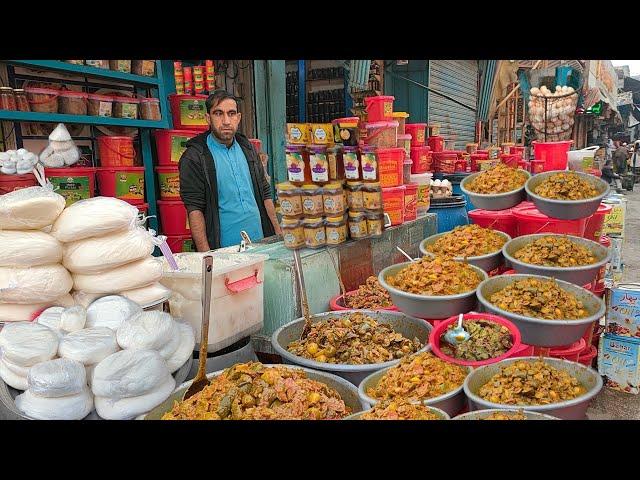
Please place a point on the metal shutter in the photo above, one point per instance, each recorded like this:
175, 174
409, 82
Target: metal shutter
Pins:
457, 79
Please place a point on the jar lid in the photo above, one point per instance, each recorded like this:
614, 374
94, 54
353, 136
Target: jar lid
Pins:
338, 219
353, 185
400, 115
391, 124
285, 186
126, 100
313, 220
149, 99
96, 96
355, 215
347, 120
291, 222
311, 188
333, 186
372, 185
375, 215
6, 89
71, 93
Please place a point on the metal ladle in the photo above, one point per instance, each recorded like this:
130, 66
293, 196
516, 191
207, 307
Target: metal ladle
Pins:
303, 295
457, 335
405, 254
339, 275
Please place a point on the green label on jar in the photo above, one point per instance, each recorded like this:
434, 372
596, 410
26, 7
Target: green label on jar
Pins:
129, 110
192, 112
130, 186
178, 146
71, 188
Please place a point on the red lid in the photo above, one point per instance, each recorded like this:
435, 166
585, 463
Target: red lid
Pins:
528, 210
143, 207
186, 133
564, 142
188, 97
345, 120
421, 148
479, 156
572, 349
391, 151
410, 188
406, 136
71, 93
120, 169
399, 189
604, 208
149, 99
95, 96
47, 91
446, 154
167, 168
494, 214
605, 241
126, 100
170, 203
379, 98
390, 124
415, 125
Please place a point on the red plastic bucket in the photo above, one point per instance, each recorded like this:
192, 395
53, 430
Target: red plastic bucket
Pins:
529, 220
10, 183
73, 184
475, 157
417, 132
523, 351
116, 151
125, 183
441, 328
337, 304
501, 220
171, 144
379, 109
436, 143
393, 201
587, 358
570, 352
181, 243
593, 228
422, 159
169, 182
519, 151
173, 218
510, 160
554, 154
390, 164
187, 112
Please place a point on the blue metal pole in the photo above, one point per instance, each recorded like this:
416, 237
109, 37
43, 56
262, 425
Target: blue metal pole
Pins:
302, 92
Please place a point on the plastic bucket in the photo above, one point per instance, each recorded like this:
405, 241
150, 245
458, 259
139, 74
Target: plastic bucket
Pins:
450, 215
187, 112
422, 159
537, 166
587, 358
436, 143
410, 202
173, 218
593, 228
379, 109
501, 220
523, 350
475, 158
569, 352
393, 202
73, 184
169, 182
417, 132
171, 144
445, 162
125, 183
10, 183
518, 150
390, 164
530, 220
116, 151
554, 154
336, 304
181, 243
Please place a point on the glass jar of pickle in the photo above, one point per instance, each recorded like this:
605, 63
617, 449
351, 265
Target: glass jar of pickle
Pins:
314, 232
358, 225
351, 163
312, 205
319, 164
355, 199
7, 99
297, 160
336, 230
372, 196
290, 198
22, 103
336, 166
292, 233
369, 165
333, 198
375, 223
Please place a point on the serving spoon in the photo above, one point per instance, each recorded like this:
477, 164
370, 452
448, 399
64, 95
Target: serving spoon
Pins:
457, 335
405, 254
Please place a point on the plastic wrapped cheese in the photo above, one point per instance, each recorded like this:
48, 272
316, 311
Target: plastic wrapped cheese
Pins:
129, 373
130, 276
71, 407
85, 299
26, 344
89, 369
100, 254
28, 249
11, 378
89, 346
57, 378
172, 345
110, 311
30, 208
149, 295
17, 369
185, 349
73, 319
15, 312
94, 217
129, 408
147, 331
44, 283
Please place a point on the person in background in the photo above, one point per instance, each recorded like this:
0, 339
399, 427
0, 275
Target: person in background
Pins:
620, 158
222, 181
610, 176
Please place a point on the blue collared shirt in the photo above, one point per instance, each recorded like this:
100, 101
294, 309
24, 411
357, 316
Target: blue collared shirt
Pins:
236, 202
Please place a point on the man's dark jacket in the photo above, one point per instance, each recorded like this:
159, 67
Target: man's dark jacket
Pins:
199, 184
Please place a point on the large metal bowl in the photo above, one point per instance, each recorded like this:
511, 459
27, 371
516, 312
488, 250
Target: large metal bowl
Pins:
452, 402
539, 331
409, 327
347, 391
580, 276
566, 410
426, 306
482, 414
487, 262
441, 413
494, 201
567, 209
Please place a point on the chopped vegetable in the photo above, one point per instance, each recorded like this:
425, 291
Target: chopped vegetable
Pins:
435, 276
400, 409
487, 340
518, 415
498, 179
554, 251
566, 186
468, 241
370, 296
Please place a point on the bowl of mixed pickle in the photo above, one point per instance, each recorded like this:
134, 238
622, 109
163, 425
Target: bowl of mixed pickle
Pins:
491, 339
567, 195
352, 343
369, 296
552, 386
547, 312
498, 188
572, 259
503, 414
400, 409
476, 245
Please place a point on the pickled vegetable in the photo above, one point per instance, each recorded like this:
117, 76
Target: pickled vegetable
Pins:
369, 296
400, 410
566, 186
498, 179
435, 276
468, 241
487, 340
553, 251
518, 415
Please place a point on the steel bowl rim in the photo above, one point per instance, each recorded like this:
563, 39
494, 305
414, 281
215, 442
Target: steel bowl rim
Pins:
439, 411
446, 396
415, 296
550, 406
489, 411
342, 367
572, 203
535, 236
492, 195
462, 259
542, 321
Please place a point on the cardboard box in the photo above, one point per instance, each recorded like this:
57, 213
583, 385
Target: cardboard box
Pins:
614, 220
619, 361
298, 133
623, 310
321, 133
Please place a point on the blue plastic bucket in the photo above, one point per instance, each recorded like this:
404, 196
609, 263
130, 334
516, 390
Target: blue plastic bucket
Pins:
450, 214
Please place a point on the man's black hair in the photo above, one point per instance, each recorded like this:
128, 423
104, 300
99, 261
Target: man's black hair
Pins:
218, 96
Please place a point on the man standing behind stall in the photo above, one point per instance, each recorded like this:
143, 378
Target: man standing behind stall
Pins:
222, 181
